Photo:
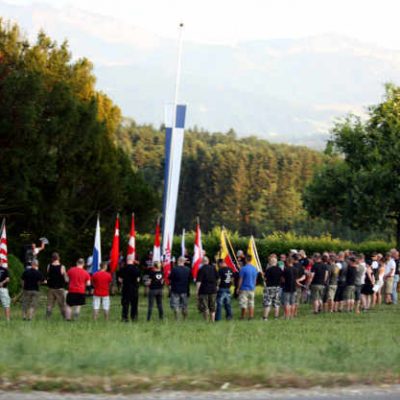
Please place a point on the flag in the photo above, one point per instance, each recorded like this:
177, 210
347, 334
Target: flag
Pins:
198, 252
3, 245
96, 257
157, 243
175, 115
183, 247
252, 251
114, 256
167, 262
224, 253
132, 239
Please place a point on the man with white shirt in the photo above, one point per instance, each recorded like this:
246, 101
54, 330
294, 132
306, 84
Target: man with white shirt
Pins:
390, 269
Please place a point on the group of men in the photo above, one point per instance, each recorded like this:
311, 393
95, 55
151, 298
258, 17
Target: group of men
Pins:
331, 282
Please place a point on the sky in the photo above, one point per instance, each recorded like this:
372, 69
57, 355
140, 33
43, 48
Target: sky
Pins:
232, 21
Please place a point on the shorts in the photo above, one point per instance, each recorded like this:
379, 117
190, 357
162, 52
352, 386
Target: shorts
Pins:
339, 295
56, 296
357, 292
299, 295
5, 298
289, 298
317, 292
331, 291
76, 299
246, 299
349, 292
178, 301
103, 301
272, 296
207, 302
388, 286
29, 299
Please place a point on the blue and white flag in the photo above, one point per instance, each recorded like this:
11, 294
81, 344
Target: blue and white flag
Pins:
96, 258
174, 132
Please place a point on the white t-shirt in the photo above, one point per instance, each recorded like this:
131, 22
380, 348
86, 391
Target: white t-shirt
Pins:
390, 267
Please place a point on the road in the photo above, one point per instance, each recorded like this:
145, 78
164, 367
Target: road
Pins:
351, 393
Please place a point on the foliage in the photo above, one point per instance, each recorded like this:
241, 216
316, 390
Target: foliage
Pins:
60, 164
362, 184
15, 268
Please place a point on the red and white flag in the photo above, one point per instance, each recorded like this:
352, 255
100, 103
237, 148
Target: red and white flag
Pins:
132, 240
167, 262
157, 244
3, 245
198, 252
114, 256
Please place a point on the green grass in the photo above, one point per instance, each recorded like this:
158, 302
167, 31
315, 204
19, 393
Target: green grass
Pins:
85, 355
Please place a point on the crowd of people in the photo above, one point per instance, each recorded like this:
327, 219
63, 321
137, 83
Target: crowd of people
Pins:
343, 282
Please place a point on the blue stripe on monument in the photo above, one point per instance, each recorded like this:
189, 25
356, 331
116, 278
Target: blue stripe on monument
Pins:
180, 116
168, 138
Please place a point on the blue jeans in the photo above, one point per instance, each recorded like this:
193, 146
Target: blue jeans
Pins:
223, 300
394, 291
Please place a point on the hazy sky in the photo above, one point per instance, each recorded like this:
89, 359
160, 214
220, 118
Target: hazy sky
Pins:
229, 21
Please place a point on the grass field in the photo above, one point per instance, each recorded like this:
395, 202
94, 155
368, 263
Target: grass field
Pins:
327, 349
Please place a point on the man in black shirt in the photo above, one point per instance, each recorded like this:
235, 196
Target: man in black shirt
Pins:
319, 276
179, 279
206, 286
31, 279
289, 289
4, 295
224, 290
156, 278
56, 274
300, 279
349, 293
129, 277
272, 291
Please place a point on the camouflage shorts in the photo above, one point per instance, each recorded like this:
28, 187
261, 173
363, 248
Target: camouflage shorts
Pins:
272, 296
246, 299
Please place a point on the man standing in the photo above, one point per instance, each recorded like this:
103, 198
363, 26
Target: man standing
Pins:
206, 286
289, 288
247, 286
179, 280
78, 279
56, 274
4, 295
156, 279
300, 279
390, 269
272, 278
129, 277
101, 282
395, 256
224, 290
349, 293
341, 285
319, 276
31, 279
359, 281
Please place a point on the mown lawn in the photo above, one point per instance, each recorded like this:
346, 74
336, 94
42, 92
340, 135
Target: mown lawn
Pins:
327, 349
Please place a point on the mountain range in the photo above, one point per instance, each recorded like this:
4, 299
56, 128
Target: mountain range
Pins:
287, 90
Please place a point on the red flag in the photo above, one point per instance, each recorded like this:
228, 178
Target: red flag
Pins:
114, 257
224, 253
167, 263
198, 252
3, 245
157, 242
132, 240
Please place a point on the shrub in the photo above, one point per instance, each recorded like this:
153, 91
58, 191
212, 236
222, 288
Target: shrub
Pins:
15, 268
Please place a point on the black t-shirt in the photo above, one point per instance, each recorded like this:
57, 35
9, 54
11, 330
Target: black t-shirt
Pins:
32, 277
319, 270
289, 276
351, 276
3, 276
130, 276
273, 276
208, 277
179, 278
304, 262
55, 279
157, 279
300, 271
226, 278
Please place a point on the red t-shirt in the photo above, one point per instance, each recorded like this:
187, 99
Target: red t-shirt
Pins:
77, 280
101, 282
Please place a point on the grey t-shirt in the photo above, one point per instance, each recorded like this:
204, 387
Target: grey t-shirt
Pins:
360, 275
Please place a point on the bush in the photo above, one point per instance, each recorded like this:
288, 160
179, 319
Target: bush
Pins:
15, 268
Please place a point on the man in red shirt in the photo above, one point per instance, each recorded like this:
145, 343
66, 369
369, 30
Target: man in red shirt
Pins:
78, 279
101, 297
